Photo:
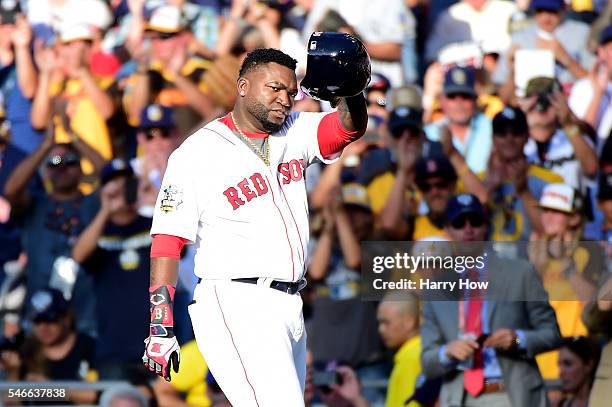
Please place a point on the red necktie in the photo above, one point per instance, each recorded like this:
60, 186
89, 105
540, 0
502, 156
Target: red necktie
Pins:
473, 379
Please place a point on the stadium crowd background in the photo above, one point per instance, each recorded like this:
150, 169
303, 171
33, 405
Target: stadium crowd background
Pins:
95, 95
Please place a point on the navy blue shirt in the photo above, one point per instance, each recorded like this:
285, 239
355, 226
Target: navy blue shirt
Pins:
49, 229
120, 268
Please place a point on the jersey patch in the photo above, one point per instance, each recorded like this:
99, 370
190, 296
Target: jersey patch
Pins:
172, 199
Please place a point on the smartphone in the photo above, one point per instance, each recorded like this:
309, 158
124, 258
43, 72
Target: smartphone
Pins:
324, 379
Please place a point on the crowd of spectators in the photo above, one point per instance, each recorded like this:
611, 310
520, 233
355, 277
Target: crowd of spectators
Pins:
487, 120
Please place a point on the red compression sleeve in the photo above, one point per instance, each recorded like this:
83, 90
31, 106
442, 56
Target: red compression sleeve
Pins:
167, 246
333, 137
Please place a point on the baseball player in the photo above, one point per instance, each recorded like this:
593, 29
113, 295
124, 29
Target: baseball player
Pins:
236, 189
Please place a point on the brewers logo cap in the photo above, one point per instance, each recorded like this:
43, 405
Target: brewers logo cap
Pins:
460, 80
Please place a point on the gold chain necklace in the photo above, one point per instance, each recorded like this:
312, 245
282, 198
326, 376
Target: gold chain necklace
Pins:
265, 155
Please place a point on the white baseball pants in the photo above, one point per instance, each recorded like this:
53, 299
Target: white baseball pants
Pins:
253, 340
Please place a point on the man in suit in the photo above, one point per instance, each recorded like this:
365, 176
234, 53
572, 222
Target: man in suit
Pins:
483, 346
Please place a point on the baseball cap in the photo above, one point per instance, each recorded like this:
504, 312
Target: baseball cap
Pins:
74, 32
48, 304
404, 116
460, 80
8, 10
115, 168
409, 96
156, 116
606, 35
510, 118
560, 197
435, 166
378, 82
604, 191
541, 85
355, 194
547, 4
462, 204
93, 13
166, 19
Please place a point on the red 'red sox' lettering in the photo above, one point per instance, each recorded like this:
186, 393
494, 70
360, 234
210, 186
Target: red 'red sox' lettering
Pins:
292, 171
235, 195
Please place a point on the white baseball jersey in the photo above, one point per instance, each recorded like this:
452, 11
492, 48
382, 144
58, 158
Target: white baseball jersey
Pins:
246, 219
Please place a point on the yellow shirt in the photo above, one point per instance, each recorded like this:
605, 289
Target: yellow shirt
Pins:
424, 229
490, 105
169, 95
191, 377
406, 369
84, 118
568, 313
378, 191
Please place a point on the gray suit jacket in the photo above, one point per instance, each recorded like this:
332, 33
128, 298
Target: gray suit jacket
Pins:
511, 281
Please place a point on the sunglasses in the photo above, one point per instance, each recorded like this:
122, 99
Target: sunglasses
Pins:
513, 134
59, 161
162, 36
150, 134
463, 96
475, 221
428, 186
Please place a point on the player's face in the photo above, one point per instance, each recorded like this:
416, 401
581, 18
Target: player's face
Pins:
269, 95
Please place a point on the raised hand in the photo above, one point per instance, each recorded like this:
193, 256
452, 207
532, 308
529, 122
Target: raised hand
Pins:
46, 59
21, 37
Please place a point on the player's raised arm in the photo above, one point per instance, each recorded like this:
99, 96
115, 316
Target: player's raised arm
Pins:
338, 71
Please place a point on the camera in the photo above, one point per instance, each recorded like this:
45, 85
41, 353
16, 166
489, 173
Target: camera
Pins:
11, 343
323, 379
546, 89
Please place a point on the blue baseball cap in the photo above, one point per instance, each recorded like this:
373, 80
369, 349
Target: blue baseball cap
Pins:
156, 116
115, 168
48, 304
460, 80
606, 35
547, 4
461, 204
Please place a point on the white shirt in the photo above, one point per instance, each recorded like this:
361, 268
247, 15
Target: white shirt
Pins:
246, 219
580, 99
461, 22
560, 159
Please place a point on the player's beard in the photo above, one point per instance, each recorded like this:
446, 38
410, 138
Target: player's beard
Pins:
261, 113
